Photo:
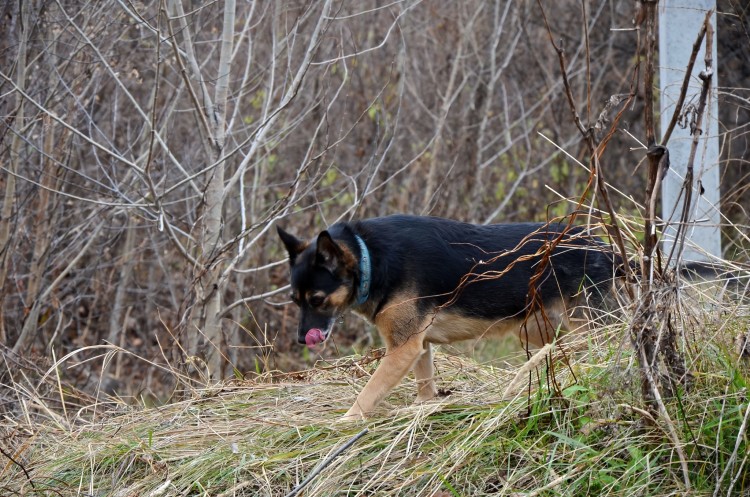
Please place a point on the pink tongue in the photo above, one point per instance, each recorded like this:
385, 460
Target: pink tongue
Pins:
314, 337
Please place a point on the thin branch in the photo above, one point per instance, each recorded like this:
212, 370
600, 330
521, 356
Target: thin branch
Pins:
13, 460
376, 47
74, 130
200, 107
564, 72
294, 87
225, 312
32, 319
671, 430
118, 81
328, 460
686, 81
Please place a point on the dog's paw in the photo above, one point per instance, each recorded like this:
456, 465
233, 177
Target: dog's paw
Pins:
424, 399
350, 418
353, 415
436, 396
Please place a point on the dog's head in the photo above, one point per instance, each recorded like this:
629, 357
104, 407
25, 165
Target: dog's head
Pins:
323, 275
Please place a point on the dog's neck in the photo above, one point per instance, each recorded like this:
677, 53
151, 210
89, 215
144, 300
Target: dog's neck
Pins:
365, 272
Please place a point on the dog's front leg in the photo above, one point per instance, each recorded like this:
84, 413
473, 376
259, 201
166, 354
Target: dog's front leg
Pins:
392, 369
424, 373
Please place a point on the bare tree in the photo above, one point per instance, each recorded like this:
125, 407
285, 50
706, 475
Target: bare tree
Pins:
149, 147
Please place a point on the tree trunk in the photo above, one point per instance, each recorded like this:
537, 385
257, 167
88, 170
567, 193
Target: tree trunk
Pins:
205, 315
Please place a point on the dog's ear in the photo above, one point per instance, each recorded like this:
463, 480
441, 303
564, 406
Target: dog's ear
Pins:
293, 245
329, 253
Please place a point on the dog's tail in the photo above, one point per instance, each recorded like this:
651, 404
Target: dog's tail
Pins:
701, 270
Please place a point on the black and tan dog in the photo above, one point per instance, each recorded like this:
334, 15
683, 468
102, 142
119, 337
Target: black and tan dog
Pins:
426, 280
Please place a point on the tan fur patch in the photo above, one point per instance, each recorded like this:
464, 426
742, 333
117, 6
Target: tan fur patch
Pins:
393, 368
538, 329
312, 295
336, 300
424, 373
399, 320
339, 298
348, 260
408, 337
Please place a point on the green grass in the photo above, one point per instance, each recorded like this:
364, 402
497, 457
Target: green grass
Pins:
263, 437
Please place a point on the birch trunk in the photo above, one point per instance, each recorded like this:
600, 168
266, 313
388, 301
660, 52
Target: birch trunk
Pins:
205, 315
6, 241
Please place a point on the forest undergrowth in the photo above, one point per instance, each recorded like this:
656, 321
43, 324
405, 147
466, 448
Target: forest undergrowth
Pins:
149, 149
567, 421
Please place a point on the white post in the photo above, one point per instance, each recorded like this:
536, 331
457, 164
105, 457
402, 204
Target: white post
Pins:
679, 24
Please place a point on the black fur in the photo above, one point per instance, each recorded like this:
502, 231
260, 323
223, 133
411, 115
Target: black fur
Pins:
435, 281
435, 255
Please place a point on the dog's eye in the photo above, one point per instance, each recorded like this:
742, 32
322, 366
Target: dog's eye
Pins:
294, 298
316, 300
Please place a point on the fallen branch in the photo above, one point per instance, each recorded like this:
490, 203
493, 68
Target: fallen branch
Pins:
328, 460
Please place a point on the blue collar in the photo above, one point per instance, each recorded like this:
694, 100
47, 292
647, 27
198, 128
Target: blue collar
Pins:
365, 272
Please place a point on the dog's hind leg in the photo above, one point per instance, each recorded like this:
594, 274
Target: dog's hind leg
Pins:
392, 369
424, 373
542, 326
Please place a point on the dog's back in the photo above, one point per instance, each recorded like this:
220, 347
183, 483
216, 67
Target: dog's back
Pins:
485, 271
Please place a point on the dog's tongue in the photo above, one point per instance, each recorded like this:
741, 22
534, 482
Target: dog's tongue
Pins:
314, 337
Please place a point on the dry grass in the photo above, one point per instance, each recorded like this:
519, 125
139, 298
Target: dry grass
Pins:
585, 433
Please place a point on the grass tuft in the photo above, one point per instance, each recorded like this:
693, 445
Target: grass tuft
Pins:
585, 434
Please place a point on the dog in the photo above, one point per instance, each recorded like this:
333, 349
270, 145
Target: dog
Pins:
428, 280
